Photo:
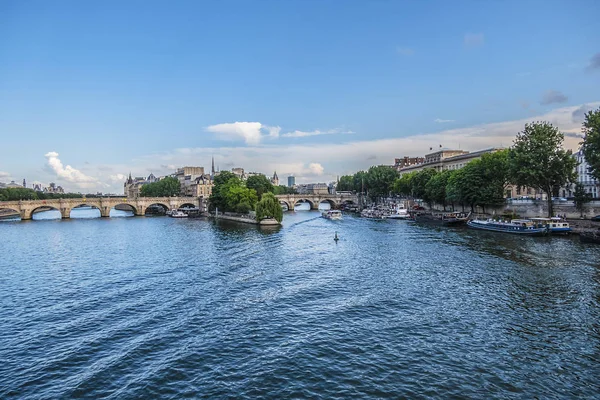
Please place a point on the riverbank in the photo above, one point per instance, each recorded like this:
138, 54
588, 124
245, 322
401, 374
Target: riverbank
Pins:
244, 218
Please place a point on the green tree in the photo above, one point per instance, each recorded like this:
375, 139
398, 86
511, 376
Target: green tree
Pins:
454, 188
419, 184
239, 198
345, 184
581, 198
538, 160
380, 180
281, 189
166, 187
591, 142
13, 194
260, 184
360, 182
435, 188
269, 207
403, 185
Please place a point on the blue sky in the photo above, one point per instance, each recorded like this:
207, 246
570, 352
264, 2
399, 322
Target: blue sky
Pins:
319, 88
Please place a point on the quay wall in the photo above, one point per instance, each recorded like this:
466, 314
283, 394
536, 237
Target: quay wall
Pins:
535, 208
245, 219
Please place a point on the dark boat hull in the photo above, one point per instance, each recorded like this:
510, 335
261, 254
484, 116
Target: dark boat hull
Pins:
436, 220
525, 232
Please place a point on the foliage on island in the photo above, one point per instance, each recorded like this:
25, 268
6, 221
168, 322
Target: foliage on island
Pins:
166, 187
269, 207
591, 142
260, 184
230, 194
14, 194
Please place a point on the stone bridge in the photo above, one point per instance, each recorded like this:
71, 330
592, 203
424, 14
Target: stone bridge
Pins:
335, 200
26, 208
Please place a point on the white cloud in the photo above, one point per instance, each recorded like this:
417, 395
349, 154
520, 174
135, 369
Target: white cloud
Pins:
405, 51
251, 132
473, 40
118, 177
4, 175
316, 168
68, 173
442, 121
297, 134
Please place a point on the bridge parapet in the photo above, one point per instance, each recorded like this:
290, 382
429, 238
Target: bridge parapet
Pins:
26, 208
335, 200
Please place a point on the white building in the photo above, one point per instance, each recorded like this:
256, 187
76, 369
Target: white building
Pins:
590, 184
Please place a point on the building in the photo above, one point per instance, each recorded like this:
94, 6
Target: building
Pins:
202, 187
239, 172
275, 179
12, 185
133, 186
590, 184
291, 181
444, 159
407, 162
187, 178
53, 188
313, 188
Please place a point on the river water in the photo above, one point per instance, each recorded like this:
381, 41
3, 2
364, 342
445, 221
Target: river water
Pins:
153, 307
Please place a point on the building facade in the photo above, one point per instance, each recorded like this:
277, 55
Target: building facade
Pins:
202, 187
404, 162
133, 186
590, 184
291, 181
444, 159
275, 179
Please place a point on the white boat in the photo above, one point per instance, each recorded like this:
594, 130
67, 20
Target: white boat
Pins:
555, 225
400, 213
332, 214
178, 214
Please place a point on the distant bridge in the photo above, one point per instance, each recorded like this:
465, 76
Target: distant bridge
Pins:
26, 208
334, 200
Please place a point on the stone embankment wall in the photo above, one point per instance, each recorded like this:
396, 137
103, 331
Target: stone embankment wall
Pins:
536, 208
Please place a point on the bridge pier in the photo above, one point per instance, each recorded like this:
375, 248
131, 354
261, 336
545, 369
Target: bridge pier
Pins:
65, 213
105, 212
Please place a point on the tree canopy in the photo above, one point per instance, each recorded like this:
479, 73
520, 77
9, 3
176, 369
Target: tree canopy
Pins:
591, 142
166, 187
538, 160
13, 194
260, 184
269, 207
230, 194
580, 197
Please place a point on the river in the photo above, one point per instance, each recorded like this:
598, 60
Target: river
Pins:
153, 307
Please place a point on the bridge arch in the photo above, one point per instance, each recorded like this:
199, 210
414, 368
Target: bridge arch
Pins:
187, 205
122, 211
9, 214
331, 203
43, 208
80, 206
149, 209
304, 200
285, 203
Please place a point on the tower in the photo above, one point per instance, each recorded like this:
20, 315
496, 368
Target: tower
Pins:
275, 179
24, 184
212, 170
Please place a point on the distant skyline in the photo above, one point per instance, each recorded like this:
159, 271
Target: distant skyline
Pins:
92, 91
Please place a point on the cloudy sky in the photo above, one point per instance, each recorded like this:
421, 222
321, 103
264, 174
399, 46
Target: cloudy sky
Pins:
92, 91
